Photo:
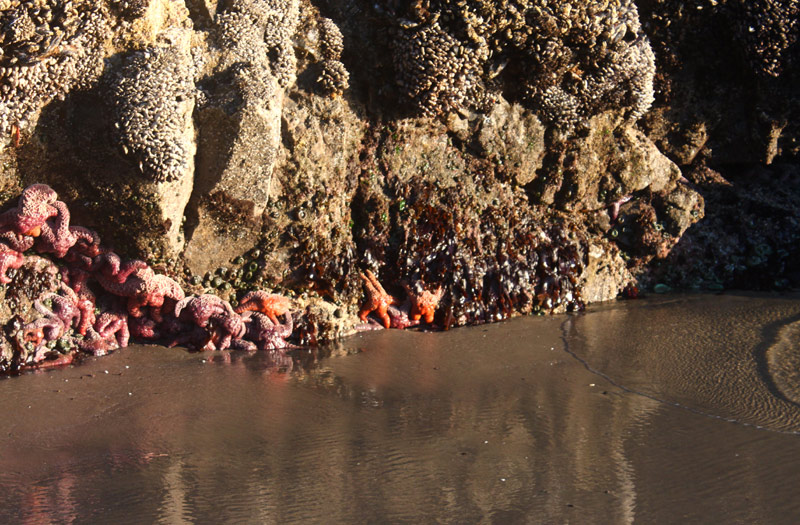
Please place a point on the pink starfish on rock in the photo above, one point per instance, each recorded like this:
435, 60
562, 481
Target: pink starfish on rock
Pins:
114, 269
200, 309
266, 334
57, 238
84, 301
143, 287
96, 344
110, 325
17, 241
34, 208
145, 328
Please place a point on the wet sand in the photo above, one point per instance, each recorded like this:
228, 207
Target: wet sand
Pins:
674, 409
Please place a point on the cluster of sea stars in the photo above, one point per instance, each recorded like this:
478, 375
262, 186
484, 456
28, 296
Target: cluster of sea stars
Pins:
146, 305
421, 303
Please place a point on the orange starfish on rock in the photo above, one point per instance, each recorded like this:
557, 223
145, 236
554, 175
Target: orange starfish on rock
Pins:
378, 300
270, 304
423, 303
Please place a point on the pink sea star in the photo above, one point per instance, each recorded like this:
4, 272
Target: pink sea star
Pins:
143, 287
224, 329
266, 334
59, 237
114, 269
113, 324
17, 241
96, 344
34, 208
146, 328
221, 322
201, 308
195, 337
84, 301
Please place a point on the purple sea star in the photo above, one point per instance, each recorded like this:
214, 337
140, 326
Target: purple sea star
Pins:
143, 287
266, 334
201, 308
64, 309
59, 237
34, 208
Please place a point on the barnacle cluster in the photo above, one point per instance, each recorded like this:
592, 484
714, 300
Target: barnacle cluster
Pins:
130, 9
148, 94
769, 28
332, 41
260, 33
334, 78
435, 69
568, 59
49, 47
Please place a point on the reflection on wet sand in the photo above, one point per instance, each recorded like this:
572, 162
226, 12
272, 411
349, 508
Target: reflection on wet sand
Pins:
722, 363
489, 424
783, 362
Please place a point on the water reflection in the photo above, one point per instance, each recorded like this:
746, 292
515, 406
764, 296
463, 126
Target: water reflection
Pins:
783, 362
723, 362
492, 424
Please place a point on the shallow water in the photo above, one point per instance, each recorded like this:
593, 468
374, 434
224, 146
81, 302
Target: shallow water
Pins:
678, 409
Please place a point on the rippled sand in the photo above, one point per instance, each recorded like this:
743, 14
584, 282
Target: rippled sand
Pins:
681, 409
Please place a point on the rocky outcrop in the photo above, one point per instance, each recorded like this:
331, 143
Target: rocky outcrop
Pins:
529, 158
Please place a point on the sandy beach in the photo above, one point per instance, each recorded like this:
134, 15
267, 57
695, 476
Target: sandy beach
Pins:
675, 408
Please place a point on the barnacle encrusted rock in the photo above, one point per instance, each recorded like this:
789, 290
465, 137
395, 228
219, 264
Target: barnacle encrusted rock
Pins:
254, 29
240, 126
47, 51
752, 118
334, 78
569, 60
436, 71
130, 9
332, 41
152, 97
770, 29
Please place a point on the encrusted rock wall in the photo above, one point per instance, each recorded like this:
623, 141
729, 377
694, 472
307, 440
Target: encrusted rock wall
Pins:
523, 156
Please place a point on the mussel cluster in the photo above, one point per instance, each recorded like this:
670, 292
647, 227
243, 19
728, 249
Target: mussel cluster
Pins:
48, 48
334, 78
151, 98
569, 60
491, 262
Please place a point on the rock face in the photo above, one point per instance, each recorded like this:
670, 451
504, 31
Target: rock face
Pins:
527, 158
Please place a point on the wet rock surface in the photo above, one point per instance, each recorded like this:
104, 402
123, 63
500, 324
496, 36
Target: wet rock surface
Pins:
525, 159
